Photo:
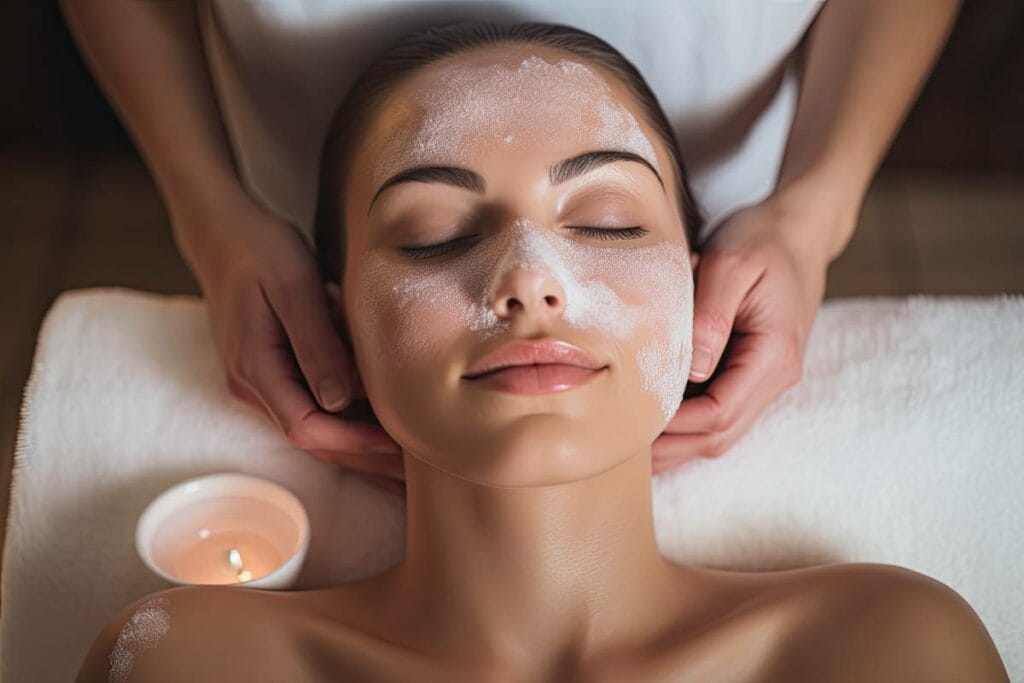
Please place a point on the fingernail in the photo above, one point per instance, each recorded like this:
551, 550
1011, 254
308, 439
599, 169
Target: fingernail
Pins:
701, 364
333, 394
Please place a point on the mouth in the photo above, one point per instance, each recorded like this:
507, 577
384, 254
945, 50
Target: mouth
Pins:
535, 367
540, 378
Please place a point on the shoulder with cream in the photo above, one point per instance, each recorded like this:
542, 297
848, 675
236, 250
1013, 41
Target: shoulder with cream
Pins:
188, 633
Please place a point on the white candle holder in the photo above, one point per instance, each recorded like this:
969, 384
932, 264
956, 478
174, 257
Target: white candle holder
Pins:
225, 529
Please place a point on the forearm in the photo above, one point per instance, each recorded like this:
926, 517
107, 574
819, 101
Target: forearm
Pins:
148, 58
865, 63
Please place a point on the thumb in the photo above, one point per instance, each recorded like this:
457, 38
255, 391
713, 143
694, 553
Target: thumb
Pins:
318, 348
720, 288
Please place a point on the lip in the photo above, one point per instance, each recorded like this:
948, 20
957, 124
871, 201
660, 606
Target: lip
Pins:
536, 379
533, 352
535, 366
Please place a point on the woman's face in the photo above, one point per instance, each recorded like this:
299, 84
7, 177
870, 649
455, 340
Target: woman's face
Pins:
591, 252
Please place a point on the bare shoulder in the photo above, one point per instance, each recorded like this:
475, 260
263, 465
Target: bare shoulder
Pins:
192, 633
882, 622
142, 622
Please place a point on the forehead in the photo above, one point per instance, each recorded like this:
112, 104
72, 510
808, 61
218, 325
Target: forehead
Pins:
519, 98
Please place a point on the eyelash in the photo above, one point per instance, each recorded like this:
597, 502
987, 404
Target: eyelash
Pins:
631, 233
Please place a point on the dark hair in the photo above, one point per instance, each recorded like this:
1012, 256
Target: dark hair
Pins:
430, 45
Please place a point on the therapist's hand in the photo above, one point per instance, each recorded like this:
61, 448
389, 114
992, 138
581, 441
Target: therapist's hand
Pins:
759, 281
276, 336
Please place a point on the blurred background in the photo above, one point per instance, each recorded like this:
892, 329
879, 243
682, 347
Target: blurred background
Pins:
945, 215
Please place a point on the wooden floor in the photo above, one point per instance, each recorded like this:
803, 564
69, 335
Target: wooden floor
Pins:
99, 221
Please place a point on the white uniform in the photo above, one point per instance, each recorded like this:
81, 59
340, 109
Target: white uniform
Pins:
722, 70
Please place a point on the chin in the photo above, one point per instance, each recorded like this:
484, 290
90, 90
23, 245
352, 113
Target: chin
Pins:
539, 449
509, 441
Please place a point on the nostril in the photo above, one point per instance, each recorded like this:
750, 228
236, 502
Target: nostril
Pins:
512, 304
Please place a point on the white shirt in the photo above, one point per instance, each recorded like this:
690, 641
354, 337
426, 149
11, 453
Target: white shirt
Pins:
722, 70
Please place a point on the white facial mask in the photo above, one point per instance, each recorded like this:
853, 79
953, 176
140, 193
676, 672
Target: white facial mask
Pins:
607, 290
535, 103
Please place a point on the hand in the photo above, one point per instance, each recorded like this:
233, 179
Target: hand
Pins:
274, 331
759, 281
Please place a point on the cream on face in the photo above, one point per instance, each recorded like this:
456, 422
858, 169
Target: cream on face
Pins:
535, 103
638, 299
639, 293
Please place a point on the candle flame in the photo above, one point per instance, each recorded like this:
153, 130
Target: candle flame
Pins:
235, 558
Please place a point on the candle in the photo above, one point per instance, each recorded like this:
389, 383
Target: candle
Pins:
225, 529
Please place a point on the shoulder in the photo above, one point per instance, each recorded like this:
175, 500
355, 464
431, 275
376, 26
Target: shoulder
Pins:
138, 625
184, 632
881, 622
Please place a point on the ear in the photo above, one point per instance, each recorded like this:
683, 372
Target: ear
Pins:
337, 302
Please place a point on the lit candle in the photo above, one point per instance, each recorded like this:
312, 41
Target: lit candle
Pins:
225, 529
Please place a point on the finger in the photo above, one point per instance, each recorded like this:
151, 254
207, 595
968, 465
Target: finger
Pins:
241, 390
384, 465
390, 485
395, 488
305, 313
750, 373
278, 384
722, 282
671, 450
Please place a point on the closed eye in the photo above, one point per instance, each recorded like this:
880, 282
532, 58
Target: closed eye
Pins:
632, 233
433, 249
429, 250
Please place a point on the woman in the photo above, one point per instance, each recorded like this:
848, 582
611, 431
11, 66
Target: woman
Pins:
785, 112
507, 211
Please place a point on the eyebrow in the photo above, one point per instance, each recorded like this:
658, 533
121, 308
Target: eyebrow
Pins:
560, 172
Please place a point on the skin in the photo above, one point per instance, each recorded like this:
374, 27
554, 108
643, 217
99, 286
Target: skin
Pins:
530, 547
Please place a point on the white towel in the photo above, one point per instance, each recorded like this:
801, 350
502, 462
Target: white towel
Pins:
902, 444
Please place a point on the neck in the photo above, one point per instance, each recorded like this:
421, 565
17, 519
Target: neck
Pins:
515, 572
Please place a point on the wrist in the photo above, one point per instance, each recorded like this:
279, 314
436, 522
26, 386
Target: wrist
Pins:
826, 211
199, 221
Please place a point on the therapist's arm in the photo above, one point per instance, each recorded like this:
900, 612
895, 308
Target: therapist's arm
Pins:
267, 304
865, 63
761, 274
148, 59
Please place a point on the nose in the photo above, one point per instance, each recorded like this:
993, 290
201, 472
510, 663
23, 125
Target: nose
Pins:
524, 291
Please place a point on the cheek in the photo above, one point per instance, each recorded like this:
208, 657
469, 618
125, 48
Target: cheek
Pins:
664, 356
407, 319
403, 319
644, 298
